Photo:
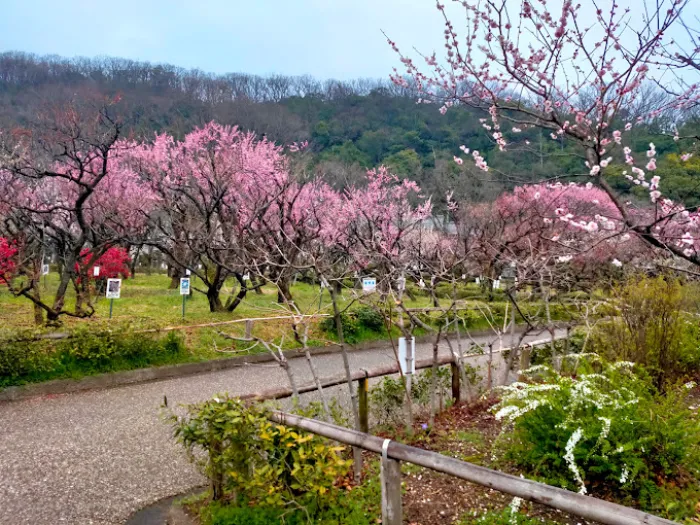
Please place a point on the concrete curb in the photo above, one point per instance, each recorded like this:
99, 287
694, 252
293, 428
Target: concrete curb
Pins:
146, 375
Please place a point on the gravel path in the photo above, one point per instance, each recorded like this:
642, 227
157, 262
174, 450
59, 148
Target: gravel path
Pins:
95, 457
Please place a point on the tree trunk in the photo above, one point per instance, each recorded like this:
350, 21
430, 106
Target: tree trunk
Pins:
134, 261
284, 295
38, 310
174, 279
60, 298
357, 453
314, 373
433, 382
214, 300
214, 291
258, 284
232, 304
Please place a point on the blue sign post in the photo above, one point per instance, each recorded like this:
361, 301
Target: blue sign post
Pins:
184, 292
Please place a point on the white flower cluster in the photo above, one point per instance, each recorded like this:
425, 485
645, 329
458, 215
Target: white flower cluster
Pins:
571, 460
597, 392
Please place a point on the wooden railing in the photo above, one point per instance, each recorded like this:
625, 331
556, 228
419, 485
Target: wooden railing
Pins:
392, 453
362, 377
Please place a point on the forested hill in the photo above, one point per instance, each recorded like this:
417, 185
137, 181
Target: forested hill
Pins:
350, 125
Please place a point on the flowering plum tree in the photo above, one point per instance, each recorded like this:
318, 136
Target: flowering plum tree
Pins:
551, 66
61, 195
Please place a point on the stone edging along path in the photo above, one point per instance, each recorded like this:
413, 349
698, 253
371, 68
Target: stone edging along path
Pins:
144, 375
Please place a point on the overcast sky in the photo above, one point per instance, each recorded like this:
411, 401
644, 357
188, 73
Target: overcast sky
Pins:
325, 38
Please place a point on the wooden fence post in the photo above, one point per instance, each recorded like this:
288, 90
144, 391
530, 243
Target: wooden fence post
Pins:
456, 390
525, 352
248, 329
392, 513
362, 389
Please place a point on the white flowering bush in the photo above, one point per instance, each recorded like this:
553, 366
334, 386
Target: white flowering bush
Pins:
603, 430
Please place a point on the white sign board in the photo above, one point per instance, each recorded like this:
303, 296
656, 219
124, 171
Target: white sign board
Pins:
96, 271
497, 284
477, 280
114, 288
44, 269
403, 347
184, 286
369, 284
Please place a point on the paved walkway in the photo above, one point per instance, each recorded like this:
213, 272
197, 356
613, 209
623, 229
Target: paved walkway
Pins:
95, 457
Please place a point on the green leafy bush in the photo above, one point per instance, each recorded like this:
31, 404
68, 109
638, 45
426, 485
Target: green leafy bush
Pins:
19, 359
369, 318
604, 428
359, 508
85, 353
250, 459
387, 397
354, 322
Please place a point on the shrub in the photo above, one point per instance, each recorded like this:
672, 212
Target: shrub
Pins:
351, 328
258, 461
387, 397
354, 322
104, 351
85, 353
217, 514
603, 427
369, 318
20, 359
651, 328
386, 400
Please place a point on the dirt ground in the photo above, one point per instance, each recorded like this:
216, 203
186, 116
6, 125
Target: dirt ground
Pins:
467, 433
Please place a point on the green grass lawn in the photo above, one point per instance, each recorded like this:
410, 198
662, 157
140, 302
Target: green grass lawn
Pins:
147, 301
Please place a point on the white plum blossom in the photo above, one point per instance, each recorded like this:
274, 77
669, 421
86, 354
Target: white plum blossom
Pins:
616, 262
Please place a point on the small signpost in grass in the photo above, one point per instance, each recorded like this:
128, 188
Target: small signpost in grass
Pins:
114, 289
184, 292
369, 284
96, 271
44, 272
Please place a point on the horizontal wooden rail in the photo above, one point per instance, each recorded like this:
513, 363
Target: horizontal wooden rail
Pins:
379, 371
584, 506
